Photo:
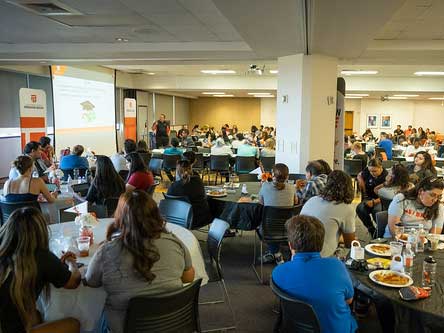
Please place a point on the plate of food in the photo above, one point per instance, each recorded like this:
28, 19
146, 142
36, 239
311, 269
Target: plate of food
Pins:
391, 278
378, 249
404, 237
217, 193
377, 262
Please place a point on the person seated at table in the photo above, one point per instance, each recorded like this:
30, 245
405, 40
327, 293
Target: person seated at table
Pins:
173, 150
315, 182
25, 187
398, 131
359, 154
248, 149
421, 204
139, 178
413, 148
74, 160
326, 169
373, 175
422, 168
397, 181
33, 150
189, 185
368, 135
277, 194
185, 139
142, 147
47, 150
269, 149
118, 159
334, 209
26, 268
144, 259
190, 156
324, 283
220, 148
106, 184
238, 141
386, 144
408, 131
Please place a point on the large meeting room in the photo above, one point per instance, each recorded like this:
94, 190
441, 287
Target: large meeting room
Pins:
221, 166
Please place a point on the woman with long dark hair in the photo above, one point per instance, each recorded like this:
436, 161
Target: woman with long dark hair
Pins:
422, 168
107, 182
333, 208
26, 268
397, 180
421, 204
144, 258
139, 178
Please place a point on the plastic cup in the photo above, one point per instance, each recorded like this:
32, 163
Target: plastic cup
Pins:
395, 248
434, 241
399, 230
83, 246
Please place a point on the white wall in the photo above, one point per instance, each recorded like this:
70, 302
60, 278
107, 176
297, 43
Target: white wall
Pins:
403, 112
268, 112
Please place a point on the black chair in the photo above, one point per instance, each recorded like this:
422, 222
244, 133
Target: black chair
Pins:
247, 177
364, 146
7, 208
381, 223
214, 269
70, 172
175, 311
81, 188
111, 205
268, 163
155, 166
379, 151
177, 211
170, 162
176, 197
294, 315
272, 230
353, 168
234, 150
296, 176
146, 157
398, 159
204, 150
123, 174
220, 164
199, 164
245, 164
439, 164
387, 164
385, 203
152, 188
407, 163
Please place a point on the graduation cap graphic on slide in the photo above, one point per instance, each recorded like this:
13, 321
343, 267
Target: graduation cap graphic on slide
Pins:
88, 113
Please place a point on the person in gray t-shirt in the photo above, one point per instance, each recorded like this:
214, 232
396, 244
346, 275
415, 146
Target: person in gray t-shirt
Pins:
333, 208
144, 259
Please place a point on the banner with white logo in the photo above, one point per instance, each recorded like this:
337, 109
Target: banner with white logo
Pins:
130, 121
339, 126
32, 114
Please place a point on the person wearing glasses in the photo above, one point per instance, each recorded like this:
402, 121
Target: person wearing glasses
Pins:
421, 204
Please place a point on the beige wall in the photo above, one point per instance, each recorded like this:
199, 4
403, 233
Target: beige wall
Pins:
216, 111
268, 112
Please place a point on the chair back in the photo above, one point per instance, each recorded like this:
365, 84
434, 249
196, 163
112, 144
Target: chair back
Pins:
214, 242
273, 223
364, 146
219, 162
152, 188
124, 174
268, 163
247, 177
296, 176
398, 159
295, 315
385, 203
176, 197
199, 164
204, 150
146, 157
170, 161
175, 311
381, 223
380, 153
439, 164
81, 188
177, 212
245, 164
387, 164
407, 163
155, 166
7, 208
70, 172
353, 167
111, 205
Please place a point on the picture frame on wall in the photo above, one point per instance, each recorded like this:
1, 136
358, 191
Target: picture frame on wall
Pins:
372, 121
386, 121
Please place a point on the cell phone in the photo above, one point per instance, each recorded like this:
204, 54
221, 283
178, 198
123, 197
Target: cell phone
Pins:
80, 264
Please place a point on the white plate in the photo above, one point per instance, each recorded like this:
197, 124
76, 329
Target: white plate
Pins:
372, 277
221, 194
385, 254
405, 242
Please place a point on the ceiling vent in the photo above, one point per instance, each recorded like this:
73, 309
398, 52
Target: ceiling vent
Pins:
45, 7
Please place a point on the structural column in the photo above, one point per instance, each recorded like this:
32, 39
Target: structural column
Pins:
306, 107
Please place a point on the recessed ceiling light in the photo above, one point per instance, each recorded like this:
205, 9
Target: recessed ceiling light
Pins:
394, 97
151, 73
213, 93
43, 62
263, 96
121, 39
353, 97
218, 71
429, 73
259, 93
437, 98
405, 95
223, 95
356, 95
274, 71
358, 72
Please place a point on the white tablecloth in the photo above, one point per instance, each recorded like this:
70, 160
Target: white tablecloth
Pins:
86, 304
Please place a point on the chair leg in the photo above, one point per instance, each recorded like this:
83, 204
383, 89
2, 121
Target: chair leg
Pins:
259, 276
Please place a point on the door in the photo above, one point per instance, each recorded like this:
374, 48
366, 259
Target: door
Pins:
348, 123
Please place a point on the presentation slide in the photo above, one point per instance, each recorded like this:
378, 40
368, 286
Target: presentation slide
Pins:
84, 110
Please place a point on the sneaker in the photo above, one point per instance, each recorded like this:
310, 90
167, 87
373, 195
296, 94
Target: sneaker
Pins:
267, 258
279, 258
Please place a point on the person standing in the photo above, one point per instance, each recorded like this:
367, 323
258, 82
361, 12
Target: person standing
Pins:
162, 129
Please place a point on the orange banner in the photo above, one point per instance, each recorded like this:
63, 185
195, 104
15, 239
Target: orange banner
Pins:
130, 125
32, 122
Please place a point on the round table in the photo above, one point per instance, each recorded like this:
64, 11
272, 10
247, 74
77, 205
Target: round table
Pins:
240, 215
425, 315
84, 303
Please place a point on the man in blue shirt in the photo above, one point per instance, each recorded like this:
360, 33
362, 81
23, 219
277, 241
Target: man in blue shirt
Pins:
247, 149
386, 144
322, 282
74, 160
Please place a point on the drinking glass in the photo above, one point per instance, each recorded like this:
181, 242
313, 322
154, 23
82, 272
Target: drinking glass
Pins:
399, 230
83, 246
434, 241
395, 248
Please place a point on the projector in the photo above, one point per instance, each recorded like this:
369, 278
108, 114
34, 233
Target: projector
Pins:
384, 98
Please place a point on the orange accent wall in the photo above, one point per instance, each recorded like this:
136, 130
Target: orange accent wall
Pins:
217, 111
32, 122
130, 128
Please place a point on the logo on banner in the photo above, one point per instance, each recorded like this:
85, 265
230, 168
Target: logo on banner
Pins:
34, 98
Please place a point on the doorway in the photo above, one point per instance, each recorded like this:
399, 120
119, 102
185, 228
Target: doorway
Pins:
348, 123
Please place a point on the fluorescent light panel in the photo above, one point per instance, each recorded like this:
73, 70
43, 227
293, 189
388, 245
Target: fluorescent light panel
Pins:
218, 71
263, 96
213, 93
394, 97
437, 98
223, 95
404, 95
356, 95
429, 73
358, 72
353, 97
259, 93
274, 71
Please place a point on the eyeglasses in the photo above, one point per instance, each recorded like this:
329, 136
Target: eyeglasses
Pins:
434, 196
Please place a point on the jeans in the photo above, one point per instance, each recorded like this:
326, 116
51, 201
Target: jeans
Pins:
366, 213
162, 141
273, 247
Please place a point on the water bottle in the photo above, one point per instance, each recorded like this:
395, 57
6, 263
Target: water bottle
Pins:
421, 239
428, 272
69, 180
412, 239
244, 189
76, 174
408, 259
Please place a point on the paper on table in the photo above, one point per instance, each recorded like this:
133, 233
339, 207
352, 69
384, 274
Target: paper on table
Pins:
80, 208
256, 171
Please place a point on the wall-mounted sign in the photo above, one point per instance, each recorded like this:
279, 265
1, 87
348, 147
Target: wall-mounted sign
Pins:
32, 114
130, 119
